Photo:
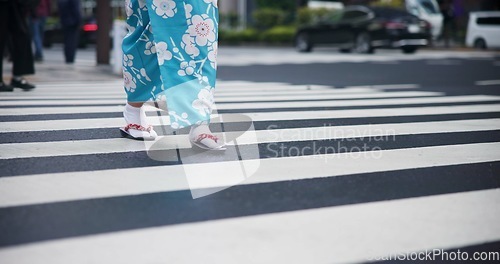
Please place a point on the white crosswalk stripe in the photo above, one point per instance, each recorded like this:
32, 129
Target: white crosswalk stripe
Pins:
23, 126
322, 96
404, 223
25, 190
265, 105
87, 147
71, 163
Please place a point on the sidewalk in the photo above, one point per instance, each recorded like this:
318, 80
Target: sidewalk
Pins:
53, 68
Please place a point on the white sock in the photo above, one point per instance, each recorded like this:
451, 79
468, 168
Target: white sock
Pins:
135, 115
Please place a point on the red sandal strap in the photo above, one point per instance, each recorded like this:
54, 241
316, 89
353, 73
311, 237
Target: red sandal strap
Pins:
209, 136
138, 127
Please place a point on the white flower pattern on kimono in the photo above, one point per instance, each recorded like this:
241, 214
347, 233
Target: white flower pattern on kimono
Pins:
142, 4
188, 8
129, 81
203, 80
212, 55
213, 2
182, 118
205, 102
202, 29
187, 68
145, 74
128, 8
191, 51
128, 60
165, 8
150, 48
163, 53
190, 46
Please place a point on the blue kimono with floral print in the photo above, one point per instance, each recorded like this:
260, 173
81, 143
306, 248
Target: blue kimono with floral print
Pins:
170, 56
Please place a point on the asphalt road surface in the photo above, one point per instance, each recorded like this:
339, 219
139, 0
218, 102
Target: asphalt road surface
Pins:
332, 158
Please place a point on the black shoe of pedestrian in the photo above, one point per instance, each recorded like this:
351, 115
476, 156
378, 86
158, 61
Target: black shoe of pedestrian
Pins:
5, 87
22, 83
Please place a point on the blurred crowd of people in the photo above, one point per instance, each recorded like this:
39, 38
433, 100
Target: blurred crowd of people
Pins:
22, 22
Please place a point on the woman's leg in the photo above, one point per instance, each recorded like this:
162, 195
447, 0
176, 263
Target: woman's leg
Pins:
181, 36
140, 69
185, 33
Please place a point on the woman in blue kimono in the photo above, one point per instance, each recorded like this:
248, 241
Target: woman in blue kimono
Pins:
170, 58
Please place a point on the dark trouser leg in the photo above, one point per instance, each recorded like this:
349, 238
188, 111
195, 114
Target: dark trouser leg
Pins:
70, 43
22, 55
36, 31
4, 21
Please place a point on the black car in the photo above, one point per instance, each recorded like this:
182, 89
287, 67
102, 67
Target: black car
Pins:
362, 29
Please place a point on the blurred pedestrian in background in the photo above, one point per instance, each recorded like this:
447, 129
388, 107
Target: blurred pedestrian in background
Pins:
447, 9
71, 19
38, 16
14, 29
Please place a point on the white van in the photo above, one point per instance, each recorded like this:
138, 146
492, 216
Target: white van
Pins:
483, 31
427, 10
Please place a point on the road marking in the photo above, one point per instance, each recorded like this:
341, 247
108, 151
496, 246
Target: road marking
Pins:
329, 235
45, 188
222, 86
366, 102
121, 145
443, 62
386, 62
262, 93
272, 98
18, 111
265, 58
69, 124
388, 86
488, 82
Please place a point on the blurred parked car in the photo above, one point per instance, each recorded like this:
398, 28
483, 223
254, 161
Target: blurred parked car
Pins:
88, 33
483, 31
363, 29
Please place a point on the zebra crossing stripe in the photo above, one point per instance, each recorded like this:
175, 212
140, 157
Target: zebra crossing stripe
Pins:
270, 105
330, 235
222, 86
76, 102
45, 188
388, 86
263, 92
99, 95
367, 102
326, 232
69, 124
87, 147
488, 82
